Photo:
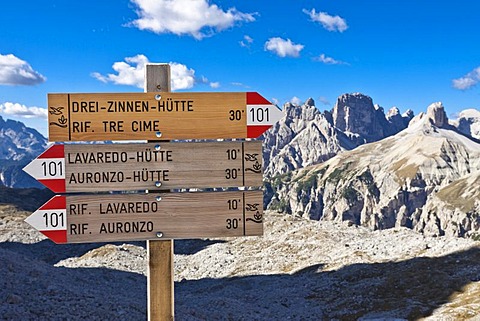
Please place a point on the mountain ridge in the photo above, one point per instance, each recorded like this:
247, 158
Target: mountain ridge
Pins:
19, 145
402, 180
306, 136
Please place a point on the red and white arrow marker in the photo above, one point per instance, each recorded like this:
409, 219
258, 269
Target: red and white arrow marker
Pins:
51, 219
261, 114
149, 216
49, 168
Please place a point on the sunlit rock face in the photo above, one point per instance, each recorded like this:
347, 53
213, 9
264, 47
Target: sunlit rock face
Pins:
426, 177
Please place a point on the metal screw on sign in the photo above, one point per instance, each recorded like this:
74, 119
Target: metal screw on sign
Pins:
158, 198
157, 147
158, 97
158, 184
159, 134
159, 234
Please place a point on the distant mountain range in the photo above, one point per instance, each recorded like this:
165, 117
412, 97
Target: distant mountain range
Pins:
352, 164
306, 136
18, 146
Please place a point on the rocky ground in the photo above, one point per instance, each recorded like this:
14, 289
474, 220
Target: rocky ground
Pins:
299, 270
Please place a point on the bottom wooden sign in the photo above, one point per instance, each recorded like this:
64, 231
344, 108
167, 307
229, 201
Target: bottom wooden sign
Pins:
129, 217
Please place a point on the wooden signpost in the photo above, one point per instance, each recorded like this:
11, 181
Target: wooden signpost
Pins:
148, 166
155, 166
150, 116
134, 217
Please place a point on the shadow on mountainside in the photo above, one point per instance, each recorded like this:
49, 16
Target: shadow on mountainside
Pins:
34, 290
27, 199
409, 289
52, 253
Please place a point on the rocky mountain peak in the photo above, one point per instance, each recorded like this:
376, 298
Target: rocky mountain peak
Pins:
437, 116
19, 141
408, 114
306, 136
299, 114
468, 123
393, 112
398, 121
425, 178
356, 114
19, 145
310, 102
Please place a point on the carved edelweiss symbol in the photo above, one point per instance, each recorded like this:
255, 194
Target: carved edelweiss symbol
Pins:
256, 167
62, 120
257, 217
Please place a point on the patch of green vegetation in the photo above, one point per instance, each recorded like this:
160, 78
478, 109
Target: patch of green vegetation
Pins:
281, 206
336, 175
367, 179
339, 173
278, 181
350, 194
318, 172
307, 184
475, 237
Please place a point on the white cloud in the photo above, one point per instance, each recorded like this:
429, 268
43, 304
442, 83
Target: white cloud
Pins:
329, 60
283, 48
196, 18
239, 84
296, 101
15, 71
467, 81
246, 42
132, 73
204, 80
182, 76
15, 109
331, 23
324, 100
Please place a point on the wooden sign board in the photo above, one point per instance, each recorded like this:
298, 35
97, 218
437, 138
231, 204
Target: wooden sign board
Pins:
153, 166
154, 116
130, 217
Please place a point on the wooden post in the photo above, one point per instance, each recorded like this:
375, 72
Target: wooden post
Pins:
160, 253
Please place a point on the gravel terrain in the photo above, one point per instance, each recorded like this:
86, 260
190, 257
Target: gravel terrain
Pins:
299, 270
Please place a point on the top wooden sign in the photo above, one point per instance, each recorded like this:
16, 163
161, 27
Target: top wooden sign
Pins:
154, 116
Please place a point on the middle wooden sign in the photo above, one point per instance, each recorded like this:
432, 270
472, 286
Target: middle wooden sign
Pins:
152, 166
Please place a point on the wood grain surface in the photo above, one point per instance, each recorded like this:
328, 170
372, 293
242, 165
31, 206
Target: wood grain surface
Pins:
155, 166
129, 217
140, 116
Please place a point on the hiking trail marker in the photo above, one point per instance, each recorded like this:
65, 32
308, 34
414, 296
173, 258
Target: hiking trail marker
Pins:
160, 115
148, 166
156, 217
137, 217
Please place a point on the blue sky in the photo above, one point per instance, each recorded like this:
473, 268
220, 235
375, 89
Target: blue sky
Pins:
402, 53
